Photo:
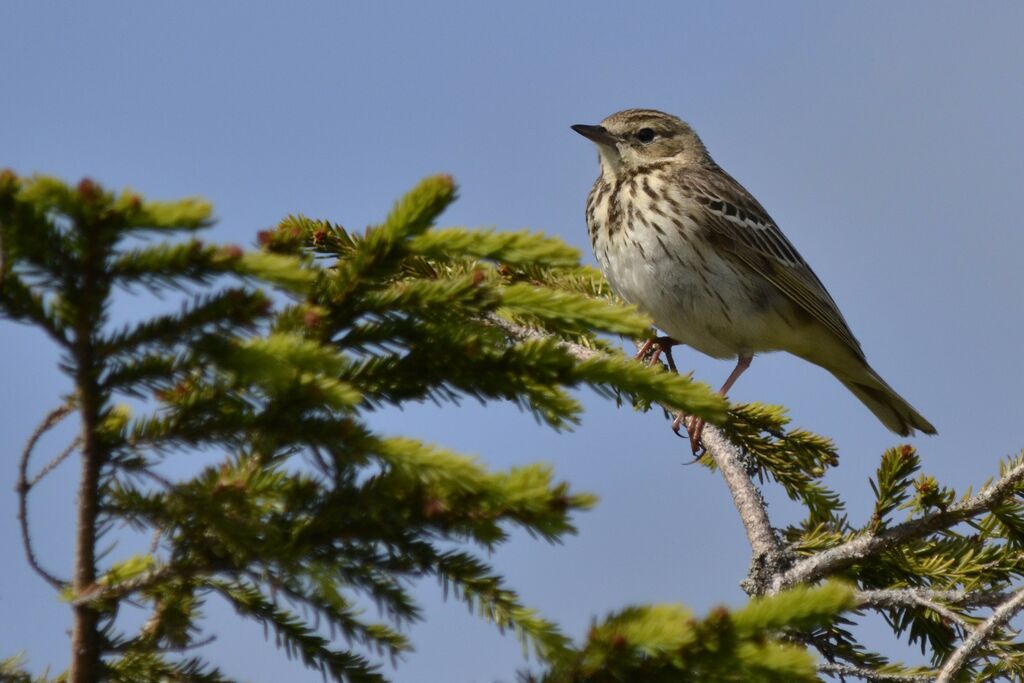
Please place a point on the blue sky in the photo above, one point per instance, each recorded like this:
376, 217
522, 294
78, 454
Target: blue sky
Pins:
885, 139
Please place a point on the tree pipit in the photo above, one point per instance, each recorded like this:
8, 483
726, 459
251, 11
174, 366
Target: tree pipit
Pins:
678, 237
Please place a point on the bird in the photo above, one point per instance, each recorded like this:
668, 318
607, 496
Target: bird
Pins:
679, 238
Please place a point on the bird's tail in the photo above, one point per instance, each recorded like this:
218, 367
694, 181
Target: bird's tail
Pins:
888, 406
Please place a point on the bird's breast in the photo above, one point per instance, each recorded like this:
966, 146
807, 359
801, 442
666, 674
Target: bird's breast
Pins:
652, 250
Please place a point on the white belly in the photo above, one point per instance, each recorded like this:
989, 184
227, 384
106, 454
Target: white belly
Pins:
698, 297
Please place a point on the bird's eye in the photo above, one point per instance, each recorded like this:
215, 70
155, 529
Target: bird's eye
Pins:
645, 134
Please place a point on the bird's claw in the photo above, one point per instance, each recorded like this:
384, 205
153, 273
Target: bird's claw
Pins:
654, 347
694, 431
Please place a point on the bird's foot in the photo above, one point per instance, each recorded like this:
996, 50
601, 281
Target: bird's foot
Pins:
645, 348
694, 431
652, 349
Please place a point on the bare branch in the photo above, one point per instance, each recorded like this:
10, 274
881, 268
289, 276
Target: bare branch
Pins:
908, 597
53, 464
24, 486
736, 469
522, 333
946, 613
1000, 617
936, 601
826, 562
871, 674
745, 496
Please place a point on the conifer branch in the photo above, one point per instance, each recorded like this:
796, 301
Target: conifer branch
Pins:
106, 590
329, 324
986, 630
768, 552
773, 568
870, 544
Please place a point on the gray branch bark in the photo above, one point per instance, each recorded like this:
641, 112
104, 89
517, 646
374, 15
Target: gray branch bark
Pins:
871, 675
962, 655
910, 597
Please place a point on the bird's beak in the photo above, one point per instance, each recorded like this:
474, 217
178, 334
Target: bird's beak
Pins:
598, 134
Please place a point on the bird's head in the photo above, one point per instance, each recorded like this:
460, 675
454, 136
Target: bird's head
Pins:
635, 137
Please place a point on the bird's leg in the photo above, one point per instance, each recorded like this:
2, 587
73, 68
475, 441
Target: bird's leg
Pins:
666, 344
696, 427
742, 363
662, 345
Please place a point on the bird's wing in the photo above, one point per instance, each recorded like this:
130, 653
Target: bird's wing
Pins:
735, 222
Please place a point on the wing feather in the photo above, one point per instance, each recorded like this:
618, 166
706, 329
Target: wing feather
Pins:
737, 223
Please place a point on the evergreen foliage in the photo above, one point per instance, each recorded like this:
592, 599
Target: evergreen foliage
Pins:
665, 643
275, 357
309, 513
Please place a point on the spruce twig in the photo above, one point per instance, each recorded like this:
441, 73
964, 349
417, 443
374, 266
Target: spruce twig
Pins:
870, 544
